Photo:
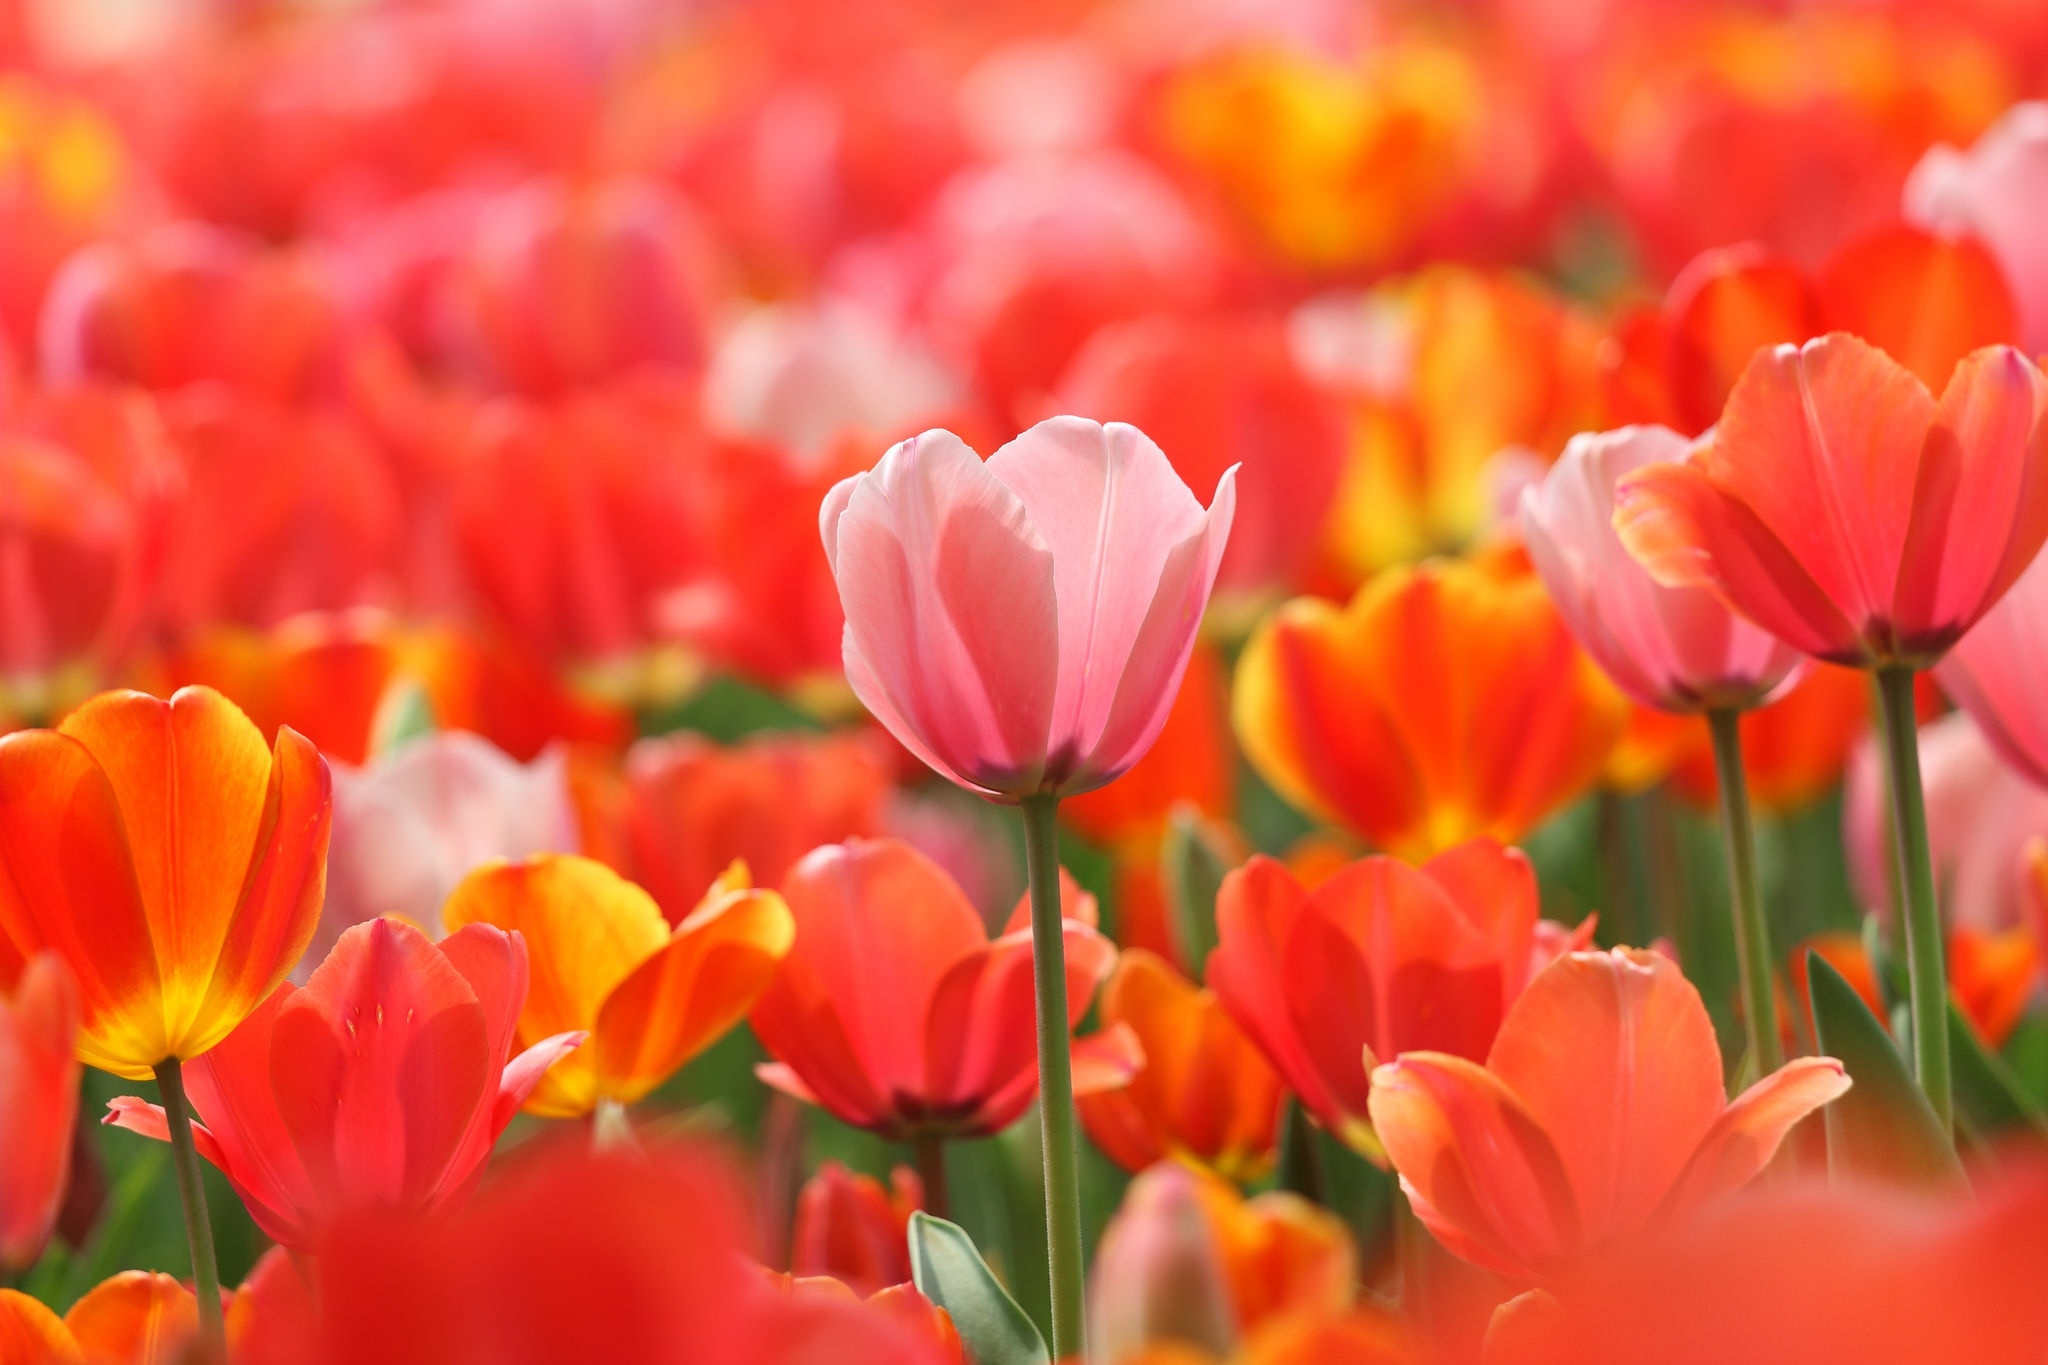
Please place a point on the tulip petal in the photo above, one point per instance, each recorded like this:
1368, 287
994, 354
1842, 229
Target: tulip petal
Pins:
1614, 1056
1107, 1061
524, 1072
66, 884
32, 1334
136, 1315
1746, 1136
230, 1088
690, 992
1926, 299
1485, 1176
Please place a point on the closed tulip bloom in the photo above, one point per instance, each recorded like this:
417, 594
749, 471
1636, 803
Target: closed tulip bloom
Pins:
1998, 670
1446, 701
897, 1013
1846, 509
1379, 959
379, 1085
1675, 649
607, 964
1022, 625
851, 1228
1599, 1113
38, 1105
1205, 1094
173, 860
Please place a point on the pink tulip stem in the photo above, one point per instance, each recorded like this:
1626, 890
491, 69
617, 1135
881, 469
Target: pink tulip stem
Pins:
1926, 974
170, 1080
1752, 929
930, 1150
1055, 1074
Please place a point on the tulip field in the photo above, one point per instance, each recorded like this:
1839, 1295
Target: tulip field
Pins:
1046, 682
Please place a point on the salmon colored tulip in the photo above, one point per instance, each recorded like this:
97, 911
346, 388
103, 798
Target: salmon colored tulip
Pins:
1380, 959
693, 806
1676, 649
894, 1010
173, 860
134, 1318
380, 1084
1996, 190
1205, 1095
850, 1228
1933, 507
1445, 701
607, 964
1995, 673
38, 1104
1599, 1114
1022, 625
1222, 392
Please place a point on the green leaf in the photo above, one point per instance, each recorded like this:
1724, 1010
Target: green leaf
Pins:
1989, 1100
1192, 866
947, 1269
1883, 1128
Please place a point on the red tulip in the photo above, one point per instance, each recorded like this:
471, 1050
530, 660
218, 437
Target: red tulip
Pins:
380, 1085
38, 1102
851, 1228
1846, 510
895, 1011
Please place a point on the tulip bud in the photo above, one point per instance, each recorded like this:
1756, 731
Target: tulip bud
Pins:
1159, 1273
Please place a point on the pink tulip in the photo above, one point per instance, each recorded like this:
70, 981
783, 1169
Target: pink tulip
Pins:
415, 821
1980, 816
1675, 649
1022, 625
1998, 190
1999, 670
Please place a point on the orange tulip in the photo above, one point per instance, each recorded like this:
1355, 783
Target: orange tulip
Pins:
38, 1103
135, 1318
1599, 1113
850, 1228
695, 806
1446, 701
1933, 507
605, 961
1205, 1093
1380, 959
174, 862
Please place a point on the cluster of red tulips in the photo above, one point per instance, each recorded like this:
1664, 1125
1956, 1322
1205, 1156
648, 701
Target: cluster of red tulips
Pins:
768, 682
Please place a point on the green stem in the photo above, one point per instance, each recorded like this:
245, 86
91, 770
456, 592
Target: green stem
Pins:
170, 1080
1752, 930
1055, 1074
1925, 972
931, 1172
1301, 1160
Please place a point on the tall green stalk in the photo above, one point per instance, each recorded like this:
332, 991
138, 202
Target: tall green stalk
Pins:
1055, 1074
1925, 971
1752, 930
170, 1080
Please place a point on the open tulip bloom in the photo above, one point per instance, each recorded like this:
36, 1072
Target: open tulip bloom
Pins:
1022, 625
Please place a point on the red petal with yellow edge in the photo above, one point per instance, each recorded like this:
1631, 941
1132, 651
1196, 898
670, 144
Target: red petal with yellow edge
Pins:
1483, 1174
31, 1334
586, 929
192, 776
1614, 1056
287, 885
690, 993
1746, 1136
1725, 305
136, 1316
379, 1066
67, 884
1925, 300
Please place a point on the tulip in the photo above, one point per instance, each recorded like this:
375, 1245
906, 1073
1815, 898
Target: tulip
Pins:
178, 868
134, 1318
38, 1104
1598, 1114
693, 807
607, 965
1676, 649
850, 1228
1794, 747
1996, 190
1995, 673
1446, 701
1205, 1095
1380, 959
416, 820
953, 575
379, 1085
1928, 512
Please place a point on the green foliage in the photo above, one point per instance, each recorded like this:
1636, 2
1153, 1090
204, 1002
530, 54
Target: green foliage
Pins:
950, 1272
1884, 1127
